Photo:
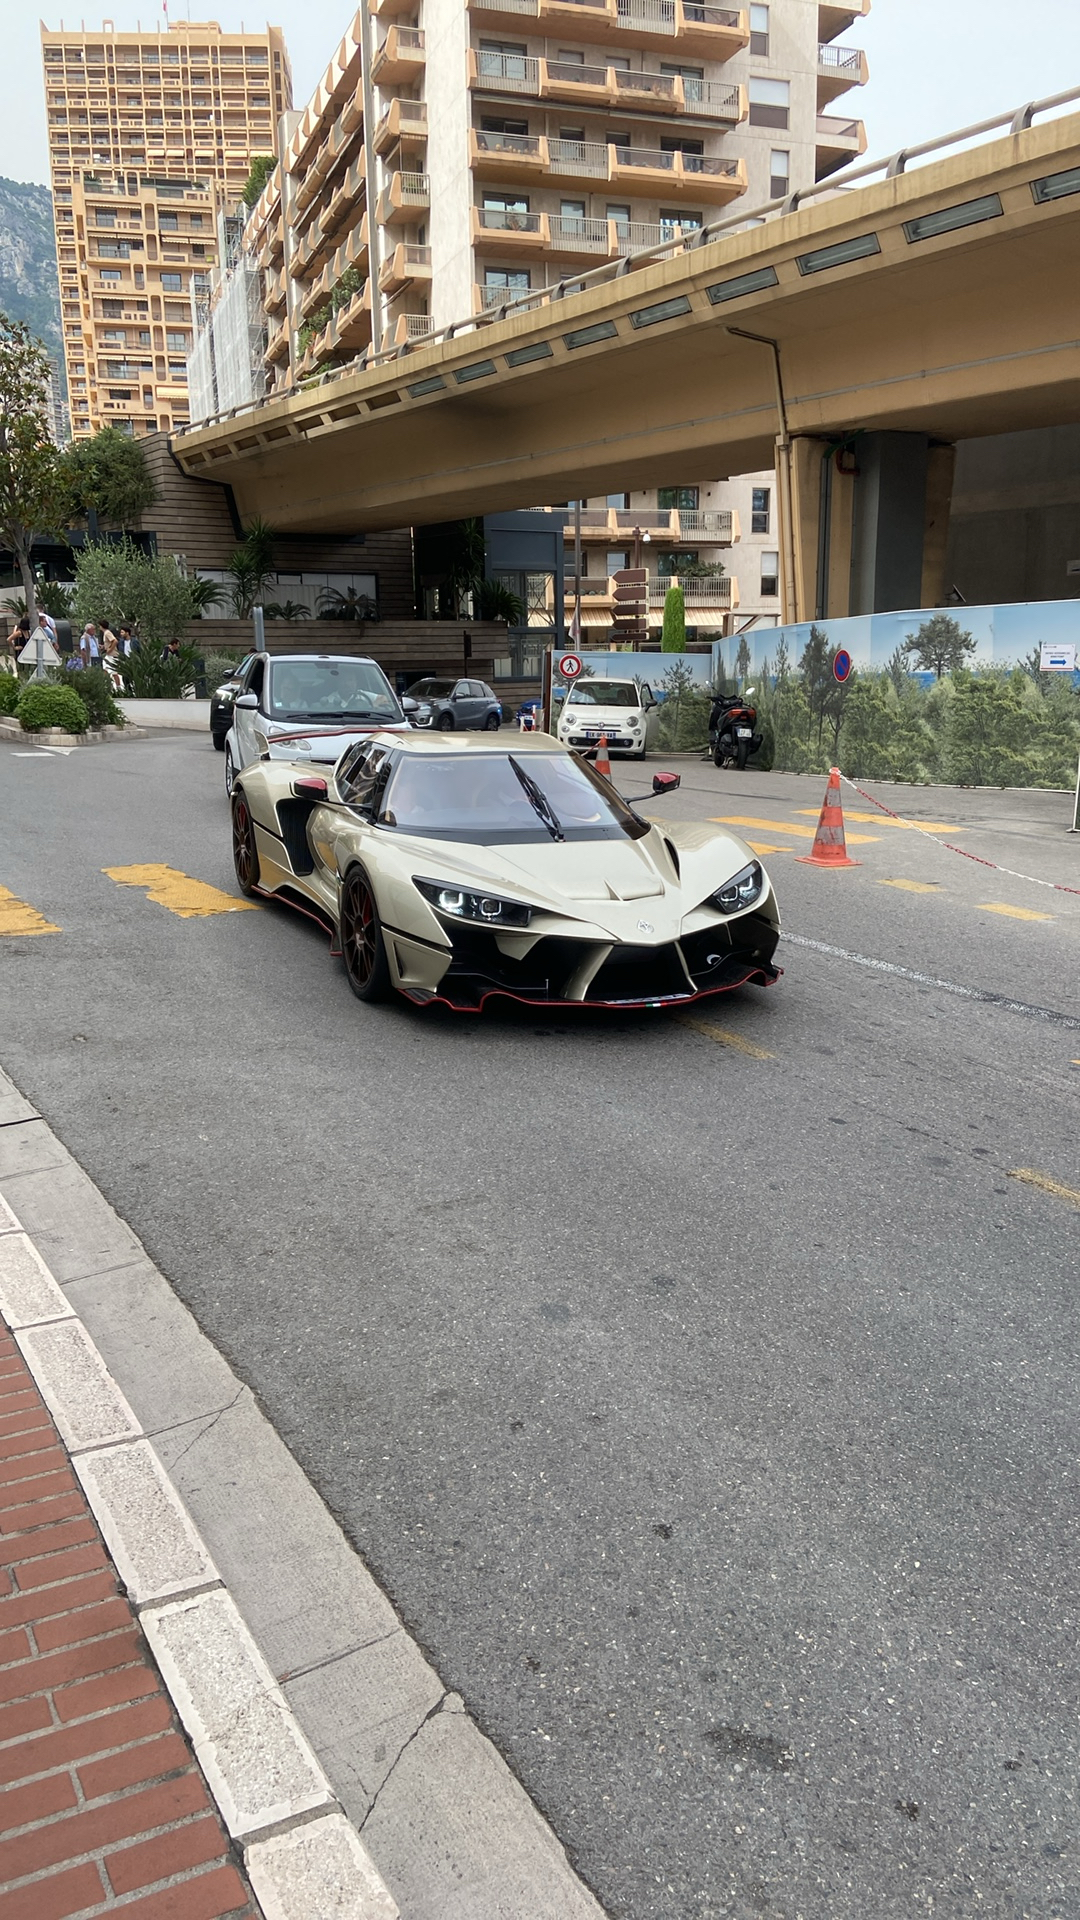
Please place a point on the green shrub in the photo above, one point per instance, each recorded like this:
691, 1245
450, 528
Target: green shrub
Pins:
150, 677
50, 706
94, 688
10, 689
673, 637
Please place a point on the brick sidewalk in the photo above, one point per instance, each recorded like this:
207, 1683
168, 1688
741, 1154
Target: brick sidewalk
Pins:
102, 1807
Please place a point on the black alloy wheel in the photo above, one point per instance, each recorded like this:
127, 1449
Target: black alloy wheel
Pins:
742, 752
445, 723
491, 724
245, 852
362, 946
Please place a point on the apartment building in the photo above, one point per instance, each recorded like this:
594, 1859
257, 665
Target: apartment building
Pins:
463, 154
149, 133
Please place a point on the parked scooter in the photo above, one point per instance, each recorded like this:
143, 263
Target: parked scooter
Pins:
732, 735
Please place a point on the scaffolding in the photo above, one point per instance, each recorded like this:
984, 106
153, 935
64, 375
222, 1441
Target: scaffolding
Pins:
225, 366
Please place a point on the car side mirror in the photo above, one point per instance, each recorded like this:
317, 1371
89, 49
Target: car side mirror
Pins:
666, 782
249, 702
310, 787
409, 705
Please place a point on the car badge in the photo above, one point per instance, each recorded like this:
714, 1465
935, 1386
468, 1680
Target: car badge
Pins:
644, 927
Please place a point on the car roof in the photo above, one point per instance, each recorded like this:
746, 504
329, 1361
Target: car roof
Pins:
365, 659
463, 743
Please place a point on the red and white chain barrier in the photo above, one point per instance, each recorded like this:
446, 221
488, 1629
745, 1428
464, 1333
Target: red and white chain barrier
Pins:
1056, 886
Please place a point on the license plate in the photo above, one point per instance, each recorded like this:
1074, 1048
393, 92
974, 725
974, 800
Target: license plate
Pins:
745, 733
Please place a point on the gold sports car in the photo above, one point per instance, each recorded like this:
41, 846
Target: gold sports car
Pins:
451, 868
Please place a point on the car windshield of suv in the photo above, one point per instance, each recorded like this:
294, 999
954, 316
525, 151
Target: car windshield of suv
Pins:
485, 798
604, 693
432, 690
331, 690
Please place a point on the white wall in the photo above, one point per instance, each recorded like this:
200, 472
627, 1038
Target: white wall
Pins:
446, 41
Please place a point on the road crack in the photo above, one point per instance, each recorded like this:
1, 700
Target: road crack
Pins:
402, 1751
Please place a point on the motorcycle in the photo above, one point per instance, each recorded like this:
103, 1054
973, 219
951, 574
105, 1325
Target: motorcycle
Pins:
732, 735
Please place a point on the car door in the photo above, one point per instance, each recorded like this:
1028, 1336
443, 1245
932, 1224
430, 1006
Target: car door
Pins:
245, 719
465, 704
652, 716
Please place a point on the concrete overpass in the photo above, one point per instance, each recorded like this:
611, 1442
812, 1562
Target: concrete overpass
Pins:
928, 306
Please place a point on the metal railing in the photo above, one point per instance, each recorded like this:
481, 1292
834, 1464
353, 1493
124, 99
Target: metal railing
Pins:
891, 166
503, 220
664, 86
579, 157
657, 15
415, 189
713, 97
417, 325
575, 233
839, 59
510, 72
574, 73
522, 143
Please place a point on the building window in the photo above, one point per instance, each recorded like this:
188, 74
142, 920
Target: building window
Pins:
621, 217
760, 501
770, 102
172, 282
759, 30
621, 500
770, 575
779, 174
617, 561
176, 342
497, 123
168, 222
110, 276
674, 563
672, 218
684, 498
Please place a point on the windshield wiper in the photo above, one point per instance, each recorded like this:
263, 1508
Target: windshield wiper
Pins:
538, 800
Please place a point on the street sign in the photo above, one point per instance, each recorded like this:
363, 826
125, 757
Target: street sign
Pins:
1057, 659
570, 666
29, 655
841, 665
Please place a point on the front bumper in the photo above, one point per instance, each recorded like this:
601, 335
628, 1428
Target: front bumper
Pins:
562, 971
617, 742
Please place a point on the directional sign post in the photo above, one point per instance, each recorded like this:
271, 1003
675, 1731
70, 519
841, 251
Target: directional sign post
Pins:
39, 649
841, 665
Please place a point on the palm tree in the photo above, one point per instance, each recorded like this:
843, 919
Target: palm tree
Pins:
334, 604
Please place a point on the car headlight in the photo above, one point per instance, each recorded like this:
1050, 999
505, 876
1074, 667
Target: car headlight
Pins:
460, 903
741, 890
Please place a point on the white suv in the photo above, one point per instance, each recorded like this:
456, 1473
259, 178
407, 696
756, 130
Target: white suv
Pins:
307, 706
625, 710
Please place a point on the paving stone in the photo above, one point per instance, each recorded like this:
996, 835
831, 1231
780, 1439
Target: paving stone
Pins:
147, 1530
81, 1394
28, 1292
260, 1768
320, 1871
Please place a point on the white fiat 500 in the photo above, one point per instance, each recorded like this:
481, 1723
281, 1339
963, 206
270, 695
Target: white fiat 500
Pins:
307, 706
623, 710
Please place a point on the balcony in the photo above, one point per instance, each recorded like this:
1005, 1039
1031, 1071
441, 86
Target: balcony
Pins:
576, 236
404, 123
580, 162
838, 69
410, 328
406, 265
666, 526
720, 592
688, 176
837, 142
511, 235
399, 62
715, 33
591, 85
508, 157
839, 16
390, 9
404, 196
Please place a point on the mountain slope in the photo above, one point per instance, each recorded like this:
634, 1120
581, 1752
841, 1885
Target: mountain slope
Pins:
28, 285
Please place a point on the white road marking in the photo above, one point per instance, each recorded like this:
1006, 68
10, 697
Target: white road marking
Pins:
930, 980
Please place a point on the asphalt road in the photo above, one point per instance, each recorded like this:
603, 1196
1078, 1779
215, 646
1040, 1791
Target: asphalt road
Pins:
711, 1418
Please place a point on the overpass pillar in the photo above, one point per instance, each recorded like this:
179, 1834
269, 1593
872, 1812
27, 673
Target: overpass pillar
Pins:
869, 525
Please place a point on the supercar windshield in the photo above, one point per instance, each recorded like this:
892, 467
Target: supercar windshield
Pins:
504, 799
331, 690
604, 693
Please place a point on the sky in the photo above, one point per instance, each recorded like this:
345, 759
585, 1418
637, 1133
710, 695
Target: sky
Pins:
935, 65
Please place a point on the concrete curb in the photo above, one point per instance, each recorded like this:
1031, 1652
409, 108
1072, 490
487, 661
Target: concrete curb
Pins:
210, 1519
262, 1772
56, 737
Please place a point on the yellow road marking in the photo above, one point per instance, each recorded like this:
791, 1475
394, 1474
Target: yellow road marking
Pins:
1043, 1181
17, 917
912, 886
187, 898
1012, 913
781, 826
725, 1038
886, 820
762, 846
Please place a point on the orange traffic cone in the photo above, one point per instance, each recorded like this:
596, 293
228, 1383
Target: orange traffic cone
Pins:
602, 763
830, 848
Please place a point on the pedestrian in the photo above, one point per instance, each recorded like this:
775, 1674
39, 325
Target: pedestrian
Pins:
110, 645
171, 650
89, 645
127, 643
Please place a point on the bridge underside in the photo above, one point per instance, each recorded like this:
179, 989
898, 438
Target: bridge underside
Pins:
951, 334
